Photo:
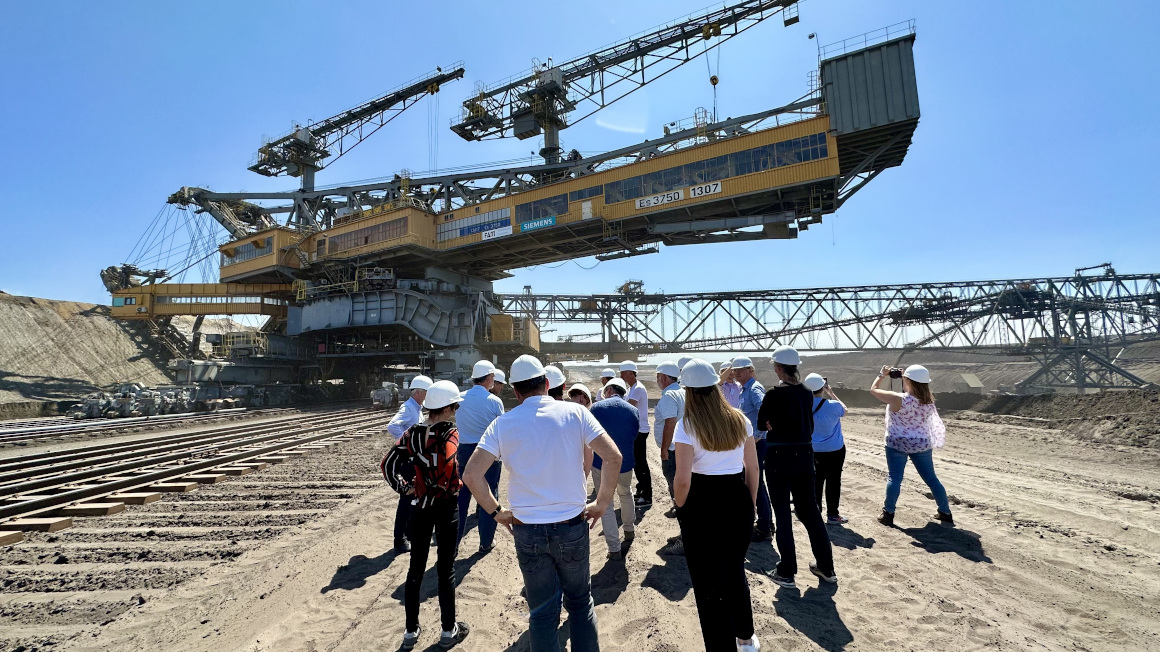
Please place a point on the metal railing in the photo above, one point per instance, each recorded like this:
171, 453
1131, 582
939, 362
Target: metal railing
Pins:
874, 37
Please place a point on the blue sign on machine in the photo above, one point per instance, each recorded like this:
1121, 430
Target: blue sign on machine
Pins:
538, 224
486, 226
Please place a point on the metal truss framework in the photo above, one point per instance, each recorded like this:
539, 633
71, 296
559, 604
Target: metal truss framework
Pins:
1072, 325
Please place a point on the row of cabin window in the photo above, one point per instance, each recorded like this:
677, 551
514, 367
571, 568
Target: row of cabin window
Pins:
757, 159
368, 235
490, 216
236, 299
247, 251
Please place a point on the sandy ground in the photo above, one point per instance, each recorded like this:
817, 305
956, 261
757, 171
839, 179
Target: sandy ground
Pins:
1056, 548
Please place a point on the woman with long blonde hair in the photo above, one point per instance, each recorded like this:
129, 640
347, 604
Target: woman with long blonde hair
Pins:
715, 490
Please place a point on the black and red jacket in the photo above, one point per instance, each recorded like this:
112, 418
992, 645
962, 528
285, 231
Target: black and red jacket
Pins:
430, 451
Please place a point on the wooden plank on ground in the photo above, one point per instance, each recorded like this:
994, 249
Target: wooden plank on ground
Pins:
233, 470
92, 509
278, 459
204, 478
8, 538
51, 524
172, 487
136, 498
257, 466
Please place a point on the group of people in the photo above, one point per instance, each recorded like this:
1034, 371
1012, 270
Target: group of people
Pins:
734, 457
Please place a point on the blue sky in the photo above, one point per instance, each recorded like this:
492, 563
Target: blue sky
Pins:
1033, 155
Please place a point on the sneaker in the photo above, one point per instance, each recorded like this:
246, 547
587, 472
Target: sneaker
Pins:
944, 517
886, 518
783, 582
629, 535
830, 577
449, 639
402, 545
615, 554
752, 646
411, 638
642, 501
672, 513
759, 535
483, 550
837, 520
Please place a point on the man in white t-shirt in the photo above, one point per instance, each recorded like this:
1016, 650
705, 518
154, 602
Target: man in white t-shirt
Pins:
638, 398
668, 411
544, 444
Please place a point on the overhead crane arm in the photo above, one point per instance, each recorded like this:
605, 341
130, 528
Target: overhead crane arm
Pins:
542, 101
302, 152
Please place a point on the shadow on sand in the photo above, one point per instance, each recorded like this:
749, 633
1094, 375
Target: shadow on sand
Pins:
815, 615
936, 537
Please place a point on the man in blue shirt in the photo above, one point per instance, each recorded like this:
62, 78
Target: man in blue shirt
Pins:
621, 421
829, 446
476, 412
410, 413
752, 394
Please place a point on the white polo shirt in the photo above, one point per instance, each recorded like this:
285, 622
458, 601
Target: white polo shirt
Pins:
541, 442
713, 462
639, 394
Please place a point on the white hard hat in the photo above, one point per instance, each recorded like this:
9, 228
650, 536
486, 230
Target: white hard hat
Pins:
699, 373
628, 365
420, 382
500, 377
482, 369
814, 382
917, 373
526, 367
581, 387
725, 366
442, 394
555, 376
669, 368
608, 373
787, 355
682, 361
617, 382
741, 362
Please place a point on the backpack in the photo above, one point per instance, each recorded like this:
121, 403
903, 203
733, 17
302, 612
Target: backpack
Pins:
432, 459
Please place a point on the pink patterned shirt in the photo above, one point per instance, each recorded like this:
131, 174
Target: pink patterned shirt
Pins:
916, 428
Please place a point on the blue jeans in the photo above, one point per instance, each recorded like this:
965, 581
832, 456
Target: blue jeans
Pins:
764, 509
554, 562
486, 522
924, 464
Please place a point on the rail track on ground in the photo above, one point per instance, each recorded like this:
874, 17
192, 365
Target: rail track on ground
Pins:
23, 432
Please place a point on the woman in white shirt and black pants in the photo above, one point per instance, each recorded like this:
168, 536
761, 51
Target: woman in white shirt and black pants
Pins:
715, 493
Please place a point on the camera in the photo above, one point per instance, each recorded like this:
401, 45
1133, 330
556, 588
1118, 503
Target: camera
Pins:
895, 372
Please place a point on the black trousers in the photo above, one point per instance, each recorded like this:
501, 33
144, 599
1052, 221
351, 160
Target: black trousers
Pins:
403, 512
716, 522
643, 474
443, 519
828, 479
789, 472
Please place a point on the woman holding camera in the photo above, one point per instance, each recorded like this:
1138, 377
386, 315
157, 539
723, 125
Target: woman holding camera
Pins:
913, 431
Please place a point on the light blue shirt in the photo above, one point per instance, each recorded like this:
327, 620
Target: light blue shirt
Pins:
828, 425
477, 410
407, 416
671, 405
752, 394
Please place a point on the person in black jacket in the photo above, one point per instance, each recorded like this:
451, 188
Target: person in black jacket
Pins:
423, 468
787, 415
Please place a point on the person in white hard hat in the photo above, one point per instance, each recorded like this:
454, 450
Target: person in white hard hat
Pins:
499, 380
669, 409
556, 382
749, 402
606, 375
422, 467
716, 488
410, 413
913, 430
620, 421
829, 447
544, 444
479, 408
638, 398
787, 413
579, 393
729, 387
682, 361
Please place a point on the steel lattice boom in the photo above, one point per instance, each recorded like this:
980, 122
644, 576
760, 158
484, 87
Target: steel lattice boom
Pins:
1083, 317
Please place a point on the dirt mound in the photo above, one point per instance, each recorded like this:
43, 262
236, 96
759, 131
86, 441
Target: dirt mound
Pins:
54, 350
1130, 418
